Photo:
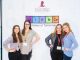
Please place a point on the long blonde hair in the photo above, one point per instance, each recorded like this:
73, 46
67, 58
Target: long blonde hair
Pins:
55, 30
67, 24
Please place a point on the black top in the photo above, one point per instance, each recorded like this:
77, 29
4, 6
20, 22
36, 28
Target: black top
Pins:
57, 42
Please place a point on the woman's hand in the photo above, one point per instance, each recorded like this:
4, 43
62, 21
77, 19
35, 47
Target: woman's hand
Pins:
51, 46
11, 50
66, 49
35, 39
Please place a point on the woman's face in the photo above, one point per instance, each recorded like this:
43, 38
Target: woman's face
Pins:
16, 29
66, 28
58, 29
27, 25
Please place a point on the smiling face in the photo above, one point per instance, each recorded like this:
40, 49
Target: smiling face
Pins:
16, 29
27, 25
58, 28
66, 28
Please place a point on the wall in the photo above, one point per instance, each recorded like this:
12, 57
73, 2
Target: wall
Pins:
14, 12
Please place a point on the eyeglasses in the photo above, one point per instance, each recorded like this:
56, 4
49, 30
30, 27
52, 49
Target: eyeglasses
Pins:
27, 24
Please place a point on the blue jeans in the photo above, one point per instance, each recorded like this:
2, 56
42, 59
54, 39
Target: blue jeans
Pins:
66, 57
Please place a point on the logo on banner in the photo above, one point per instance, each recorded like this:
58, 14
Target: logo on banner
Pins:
42, 7
42, 4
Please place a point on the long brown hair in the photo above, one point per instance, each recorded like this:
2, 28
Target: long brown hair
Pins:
55, 30
23, 31
14, 35
67, 24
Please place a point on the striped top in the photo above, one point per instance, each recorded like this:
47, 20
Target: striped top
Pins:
9, 44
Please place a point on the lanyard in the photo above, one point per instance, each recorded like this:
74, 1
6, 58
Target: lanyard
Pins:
59, 40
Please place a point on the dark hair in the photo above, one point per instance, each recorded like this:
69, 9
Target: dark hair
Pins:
23, 31
14, 35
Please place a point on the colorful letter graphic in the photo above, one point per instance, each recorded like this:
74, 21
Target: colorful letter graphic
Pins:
29, 18
48, 19
42, 19
55, 19
36, 19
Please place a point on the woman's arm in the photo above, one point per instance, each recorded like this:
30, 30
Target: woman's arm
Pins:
75, 44
47, 40
36, 38
6, 43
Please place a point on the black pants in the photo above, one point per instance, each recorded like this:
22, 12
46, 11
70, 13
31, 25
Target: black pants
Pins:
14, 55
57, 55
66, 57
26, 57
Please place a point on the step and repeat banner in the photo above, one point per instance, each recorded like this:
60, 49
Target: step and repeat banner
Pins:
44, 15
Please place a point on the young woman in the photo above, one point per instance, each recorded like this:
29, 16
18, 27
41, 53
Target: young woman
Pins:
56, 43
29, 38
69, 42
14, 42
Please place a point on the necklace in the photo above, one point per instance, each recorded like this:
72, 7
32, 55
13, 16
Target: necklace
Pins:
26, 35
